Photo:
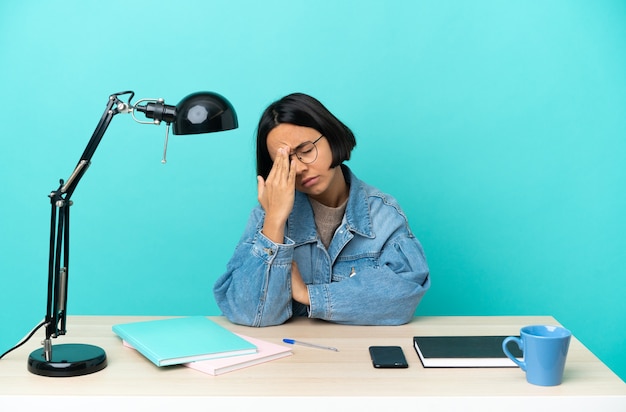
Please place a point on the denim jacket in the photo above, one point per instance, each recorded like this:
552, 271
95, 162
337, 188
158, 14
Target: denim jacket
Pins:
373, 273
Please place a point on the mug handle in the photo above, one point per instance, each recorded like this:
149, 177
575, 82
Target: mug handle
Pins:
520, 344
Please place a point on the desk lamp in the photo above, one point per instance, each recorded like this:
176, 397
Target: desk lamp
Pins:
202, 112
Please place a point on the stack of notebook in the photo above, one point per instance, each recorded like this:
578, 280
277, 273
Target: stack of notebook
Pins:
197, 342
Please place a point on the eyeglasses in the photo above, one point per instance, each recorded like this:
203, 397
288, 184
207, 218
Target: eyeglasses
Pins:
307, 151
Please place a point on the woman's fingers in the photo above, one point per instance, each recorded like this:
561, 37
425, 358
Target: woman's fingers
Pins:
276, 193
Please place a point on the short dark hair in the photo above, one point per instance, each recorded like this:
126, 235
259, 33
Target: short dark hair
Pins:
302, 110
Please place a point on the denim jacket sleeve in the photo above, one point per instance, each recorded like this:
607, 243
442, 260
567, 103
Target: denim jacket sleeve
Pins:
258, 276
386, 292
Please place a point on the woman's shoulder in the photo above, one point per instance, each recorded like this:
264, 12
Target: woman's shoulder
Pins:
379, 205
373, 193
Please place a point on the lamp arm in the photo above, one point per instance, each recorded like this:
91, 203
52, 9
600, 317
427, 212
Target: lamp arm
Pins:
58, 263
114, 106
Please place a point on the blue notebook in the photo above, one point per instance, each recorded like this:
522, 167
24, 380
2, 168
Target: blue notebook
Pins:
181, 340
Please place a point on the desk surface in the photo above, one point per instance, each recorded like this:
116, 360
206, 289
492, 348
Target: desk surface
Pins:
315, 373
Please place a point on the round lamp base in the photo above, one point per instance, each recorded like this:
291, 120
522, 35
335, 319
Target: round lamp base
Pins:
70, 359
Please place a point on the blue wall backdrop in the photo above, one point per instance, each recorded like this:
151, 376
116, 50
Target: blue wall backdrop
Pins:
499, 125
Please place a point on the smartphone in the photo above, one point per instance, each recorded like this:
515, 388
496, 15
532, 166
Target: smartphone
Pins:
388, 357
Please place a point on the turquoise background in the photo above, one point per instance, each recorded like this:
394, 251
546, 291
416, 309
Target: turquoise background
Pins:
499, 125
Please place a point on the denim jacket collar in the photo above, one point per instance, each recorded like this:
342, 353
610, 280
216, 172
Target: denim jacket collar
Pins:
301, 222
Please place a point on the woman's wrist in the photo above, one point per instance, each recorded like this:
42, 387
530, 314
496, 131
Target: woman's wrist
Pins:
274, 232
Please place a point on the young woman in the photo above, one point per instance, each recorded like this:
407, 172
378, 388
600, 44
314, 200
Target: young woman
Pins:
321, 243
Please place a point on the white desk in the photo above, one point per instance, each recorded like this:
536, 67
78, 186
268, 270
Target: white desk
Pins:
311, 379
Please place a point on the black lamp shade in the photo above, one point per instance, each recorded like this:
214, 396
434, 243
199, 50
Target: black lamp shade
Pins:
204, 112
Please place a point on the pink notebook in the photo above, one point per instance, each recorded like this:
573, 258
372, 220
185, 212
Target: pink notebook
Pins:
266, 351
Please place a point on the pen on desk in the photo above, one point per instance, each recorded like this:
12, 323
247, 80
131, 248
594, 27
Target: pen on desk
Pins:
312, 345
